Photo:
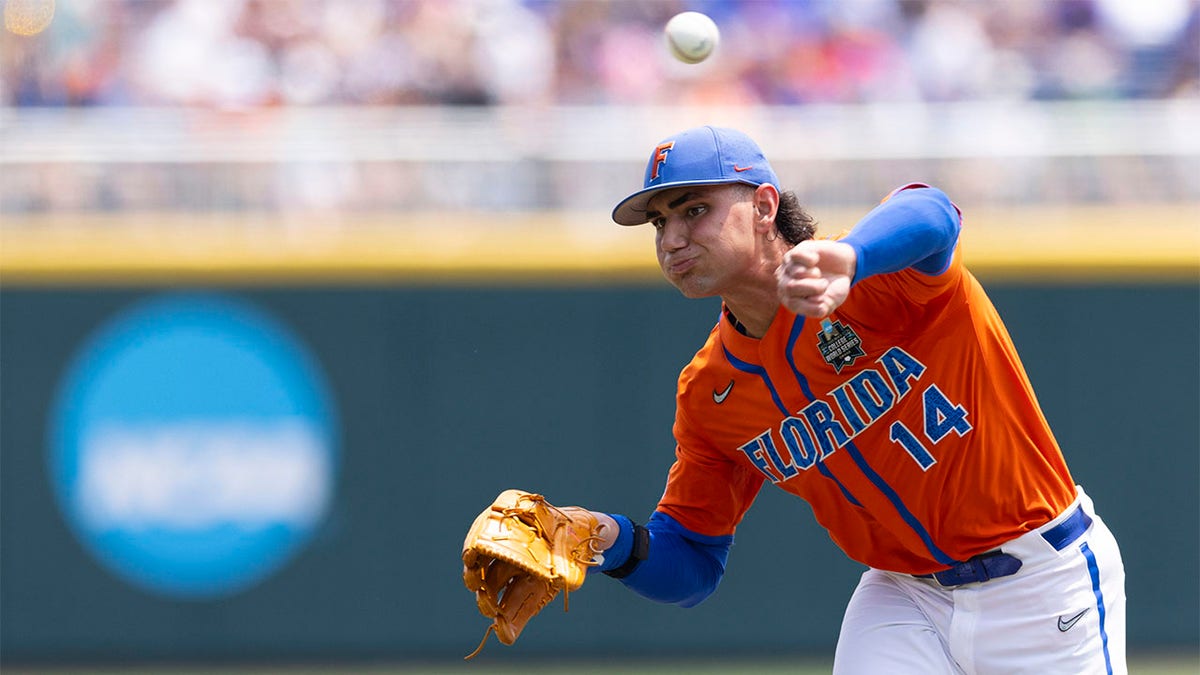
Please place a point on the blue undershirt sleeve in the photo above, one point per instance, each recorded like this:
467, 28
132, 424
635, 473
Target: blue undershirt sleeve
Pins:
917, 227
682, 567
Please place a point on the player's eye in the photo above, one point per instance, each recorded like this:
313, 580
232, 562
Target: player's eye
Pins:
696, 210
659, 223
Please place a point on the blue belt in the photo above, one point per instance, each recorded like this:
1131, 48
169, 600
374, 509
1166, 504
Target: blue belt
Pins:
1060, 536
998, 564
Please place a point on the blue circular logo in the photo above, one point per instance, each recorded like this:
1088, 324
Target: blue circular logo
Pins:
193, 445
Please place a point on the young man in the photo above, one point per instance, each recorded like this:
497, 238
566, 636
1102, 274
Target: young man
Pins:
872, 377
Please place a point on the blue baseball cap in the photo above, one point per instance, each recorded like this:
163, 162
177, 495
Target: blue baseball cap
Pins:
700, 156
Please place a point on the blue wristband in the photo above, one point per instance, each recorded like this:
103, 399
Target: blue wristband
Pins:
618, 554
639, 552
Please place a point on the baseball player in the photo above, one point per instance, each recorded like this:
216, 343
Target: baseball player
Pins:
871, 376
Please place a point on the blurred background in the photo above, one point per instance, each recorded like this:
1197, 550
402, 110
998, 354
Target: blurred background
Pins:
290, 289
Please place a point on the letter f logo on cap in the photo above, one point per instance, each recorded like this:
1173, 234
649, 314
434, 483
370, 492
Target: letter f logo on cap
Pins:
660, 157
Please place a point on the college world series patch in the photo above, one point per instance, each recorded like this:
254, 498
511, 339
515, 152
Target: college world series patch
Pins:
839, 344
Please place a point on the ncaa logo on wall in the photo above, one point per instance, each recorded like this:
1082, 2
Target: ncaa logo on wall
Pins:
193, 446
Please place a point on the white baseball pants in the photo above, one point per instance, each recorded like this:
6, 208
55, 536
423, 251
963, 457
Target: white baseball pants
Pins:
1062, 612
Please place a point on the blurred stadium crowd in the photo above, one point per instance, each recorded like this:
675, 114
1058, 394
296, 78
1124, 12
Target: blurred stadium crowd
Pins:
238, 53
377, 105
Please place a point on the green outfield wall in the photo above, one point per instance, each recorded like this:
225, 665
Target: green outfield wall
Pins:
436, 396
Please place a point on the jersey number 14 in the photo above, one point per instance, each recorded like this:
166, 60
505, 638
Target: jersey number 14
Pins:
941, 417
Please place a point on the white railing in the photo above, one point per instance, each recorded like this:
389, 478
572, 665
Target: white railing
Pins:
376, 158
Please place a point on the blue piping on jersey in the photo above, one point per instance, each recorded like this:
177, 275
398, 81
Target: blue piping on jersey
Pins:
845, 492
937, 553
759, 371
877, 480
1094, 573
762, 373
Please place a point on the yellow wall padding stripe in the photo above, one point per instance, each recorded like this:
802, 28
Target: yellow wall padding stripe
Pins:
1094, 243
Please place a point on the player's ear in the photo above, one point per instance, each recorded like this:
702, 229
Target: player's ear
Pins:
766, 205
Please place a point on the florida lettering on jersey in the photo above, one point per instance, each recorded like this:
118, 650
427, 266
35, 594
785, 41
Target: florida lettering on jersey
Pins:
817, 430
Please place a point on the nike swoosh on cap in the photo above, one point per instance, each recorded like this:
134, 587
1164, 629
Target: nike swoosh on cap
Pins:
740, 169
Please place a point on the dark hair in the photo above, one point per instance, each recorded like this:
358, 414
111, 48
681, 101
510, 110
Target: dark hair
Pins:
792, 221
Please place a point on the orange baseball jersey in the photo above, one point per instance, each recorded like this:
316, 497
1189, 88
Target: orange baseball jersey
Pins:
913, 456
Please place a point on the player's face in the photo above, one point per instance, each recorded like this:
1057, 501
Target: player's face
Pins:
704, 236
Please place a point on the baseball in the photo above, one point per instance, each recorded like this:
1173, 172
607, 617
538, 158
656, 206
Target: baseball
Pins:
28, 17
691, 36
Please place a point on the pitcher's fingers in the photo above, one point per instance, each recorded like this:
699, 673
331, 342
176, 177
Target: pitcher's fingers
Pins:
802, 287
800, 255
817, 307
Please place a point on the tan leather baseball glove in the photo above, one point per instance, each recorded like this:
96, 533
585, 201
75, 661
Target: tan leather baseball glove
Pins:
520, 552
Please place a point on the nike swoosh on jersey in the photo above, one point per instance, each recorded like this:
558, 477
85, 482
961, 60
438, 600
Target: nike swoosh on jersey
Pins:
1068, 624
719, 397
